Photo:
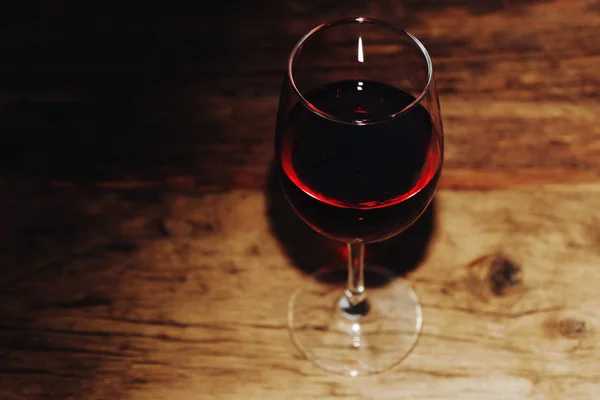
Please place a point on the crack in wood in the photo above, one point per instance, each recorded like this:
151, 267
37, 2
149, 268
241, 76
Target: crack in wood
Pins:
496, 314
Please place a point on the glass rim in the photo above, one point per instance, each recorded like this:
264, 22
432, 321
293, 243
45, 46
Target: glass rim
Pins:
359, 20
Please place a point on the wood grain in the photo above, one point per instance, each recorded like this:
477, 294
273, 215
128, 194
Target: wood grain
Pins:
186, 298
153, 97
144, 253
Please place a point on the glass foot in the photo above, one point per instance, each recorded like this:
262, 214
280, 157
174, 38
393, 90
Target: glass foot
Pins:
351, 344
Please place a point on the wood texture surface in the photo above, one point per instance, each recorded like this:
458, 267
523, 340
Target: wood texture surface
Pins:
171, 97
192, 304
145, 253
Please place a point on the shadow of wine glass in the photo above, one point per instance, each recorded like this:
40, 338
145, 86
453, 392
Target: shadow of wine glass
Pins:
310, 251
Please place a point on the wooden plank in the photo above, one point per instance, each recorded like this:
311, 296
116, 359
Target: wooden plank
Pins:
122, 295
132, 268
187, 96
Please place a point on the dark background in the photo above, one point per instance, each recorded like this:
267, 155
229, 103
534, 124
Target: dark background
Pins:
185, 94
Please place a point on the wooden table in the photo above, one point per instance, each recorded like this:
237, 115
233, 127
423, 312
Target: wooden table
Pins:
146, 253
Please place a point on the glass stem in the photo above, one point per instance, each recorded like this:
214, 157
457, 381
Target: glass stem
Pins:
355, 292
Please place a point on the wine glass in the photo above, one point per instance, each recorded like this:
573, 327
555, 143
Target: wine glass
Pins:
358, 153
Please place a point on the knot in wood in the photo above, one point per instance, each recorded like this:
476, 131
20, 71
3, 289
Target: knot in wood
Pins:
572, 328
503, 274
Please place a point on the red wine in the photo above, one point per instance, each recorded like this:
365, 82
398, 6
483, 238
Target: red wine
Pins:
351, 181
